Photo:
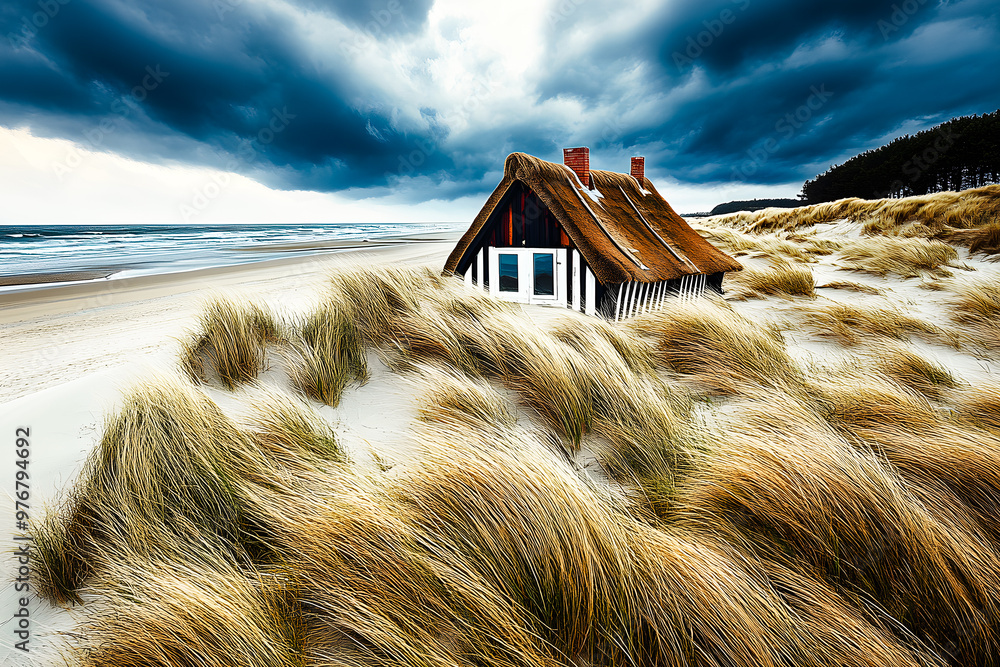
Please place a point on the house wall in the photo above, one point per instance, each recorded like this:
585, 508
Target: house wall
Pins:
630, 299
521, 221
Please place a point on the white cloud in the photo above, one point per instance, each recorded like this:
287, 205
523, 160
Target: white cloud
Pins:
51, 181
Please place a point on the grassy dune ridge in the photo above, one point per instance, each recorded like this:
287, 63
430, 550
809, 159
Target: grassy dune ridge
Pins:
683, 488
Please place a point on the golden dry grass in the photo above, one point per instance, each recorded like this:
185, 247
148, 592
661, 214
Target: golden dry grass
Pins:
849, 397
509, 348
289, 429
781, 478
452, 397
975, 305
232, 338
937, 215
850, 324
718, 348
911, 369
771, 246
782, 279
815, 516
202, 611
852, 287
331, 355
980, 404
977, 301
168, 461
981, 239
904, 257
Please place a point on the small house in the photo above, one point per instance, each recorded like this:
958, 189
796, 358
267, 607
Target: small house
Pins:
595, 241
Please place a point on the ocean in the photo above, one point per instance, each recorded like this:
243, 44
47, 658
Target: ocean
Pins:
132, 250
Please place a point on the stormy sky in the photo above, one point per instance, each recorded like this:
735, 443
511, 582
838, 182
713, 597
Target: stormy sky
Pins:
228, 110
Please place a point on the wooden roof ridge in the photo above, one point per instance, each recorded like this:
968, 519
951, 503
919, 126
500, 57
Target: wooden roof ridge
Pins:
632, 235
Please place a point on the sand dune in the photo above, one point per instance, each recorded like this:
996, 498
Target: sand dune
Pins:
804, 472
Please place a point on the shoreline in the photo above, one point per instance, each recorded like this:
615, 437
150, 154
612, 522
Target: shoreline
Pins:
83, 284
34, 281
56, 333
56, 277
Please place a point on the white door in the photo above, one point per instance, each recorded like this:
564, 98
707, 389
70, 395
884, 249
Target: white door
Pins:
510, 277
529, 275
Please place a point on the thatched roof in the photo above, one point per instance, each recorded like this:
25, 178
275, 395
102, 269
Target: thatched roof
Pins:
623, 232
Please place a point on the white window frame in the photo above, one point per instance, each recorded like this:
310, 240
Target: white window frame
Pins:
526, 276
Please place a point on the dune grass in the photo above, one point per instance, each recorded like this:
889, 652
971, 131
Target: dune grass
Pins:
232, 338
759, 513
980, 404
850, 324
911, 369
591, 336
782, 279
509, 348
202, 611
904, 257
780, 478
852, 287
850, 396
984, 238
373, 297
452, 397
331, 353
938, 214
718, 348
975, 305
977, 301
168, 461
771, 246
492, 551
289, 428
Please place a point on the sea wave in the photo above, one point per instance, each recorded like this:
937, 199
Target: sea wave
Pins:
162, 249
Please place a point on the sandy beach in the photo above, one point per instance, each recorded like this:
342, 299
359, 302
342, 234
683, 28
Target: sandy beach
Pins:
69, 351
73, 353
59, 333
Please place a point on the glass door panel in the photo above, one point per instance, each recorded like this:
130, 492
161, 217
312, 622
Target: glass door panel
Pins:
508, 272
544, 276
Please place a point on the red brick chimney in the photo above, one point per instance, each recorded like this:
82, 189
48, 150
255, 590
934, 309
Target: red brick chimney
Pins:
578, 159
639, 169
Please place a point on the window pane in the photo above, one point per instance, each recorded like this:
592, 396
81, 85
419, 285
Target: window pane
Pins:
508, 273
544, 283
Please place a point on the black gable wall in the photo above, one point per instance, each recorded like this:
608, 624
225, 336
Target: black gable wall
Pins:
520, 220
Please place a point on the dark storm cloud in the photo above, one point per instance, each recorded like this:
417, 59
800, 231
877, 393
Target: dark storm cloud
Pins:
376, 16
762, 91
778, 89
727, 34
226, 75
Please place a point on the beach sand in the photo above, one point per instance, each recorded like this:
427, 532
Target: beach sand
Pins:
68, 352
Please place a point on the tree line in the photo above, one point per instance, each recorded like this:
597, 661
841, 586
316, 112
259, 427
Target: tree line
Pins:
754, 205
958, 154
